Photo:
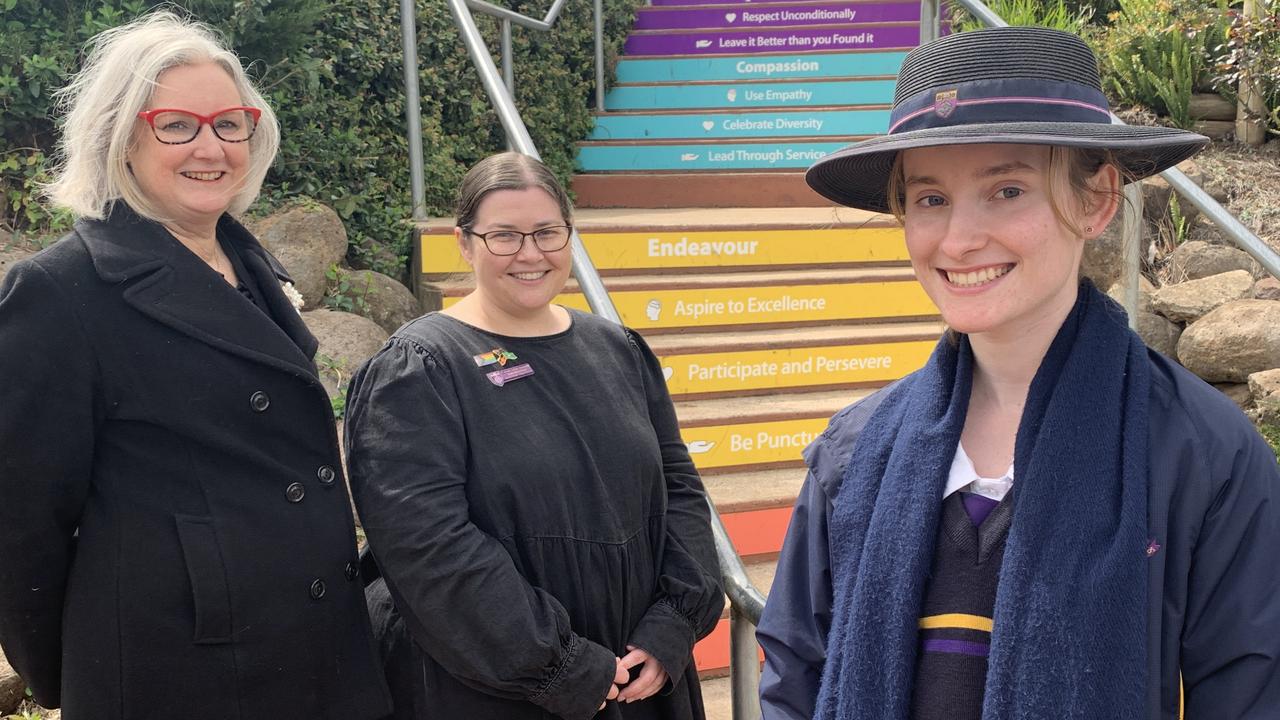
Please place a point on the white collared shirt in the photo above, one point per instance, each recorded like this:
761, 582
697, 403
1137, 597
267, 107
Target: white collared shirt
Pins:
963, 476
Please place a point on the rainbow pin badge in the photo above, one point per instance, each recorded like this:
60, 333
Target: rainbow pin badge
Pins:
496, 356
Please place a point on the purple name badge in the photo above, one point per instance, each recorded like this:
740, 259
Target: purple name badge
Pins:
506, 375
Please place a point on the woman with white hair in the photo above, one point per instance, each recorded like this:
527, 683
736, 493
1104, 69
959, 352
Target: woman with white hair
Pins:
176, 539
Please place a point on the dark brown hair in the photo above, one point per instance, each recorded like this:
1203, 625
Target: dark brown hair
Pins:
507, 171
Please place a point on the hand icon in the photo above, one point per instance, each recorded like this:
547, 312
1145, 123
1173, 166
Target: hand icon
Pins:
697, 447
653, 310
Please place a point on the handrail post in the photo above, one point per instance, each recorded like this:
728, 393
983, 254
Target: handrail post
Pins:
929, 11
744, 666
599, 12
1131, 249
413, 108
508, 72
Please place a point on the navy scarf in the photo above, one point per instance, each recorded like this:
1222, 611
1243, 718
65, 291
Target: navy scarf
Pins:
1070, 614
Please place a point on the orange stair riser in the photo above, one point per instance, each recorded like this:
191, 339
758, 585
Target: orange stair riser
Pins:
712, 652
757, 532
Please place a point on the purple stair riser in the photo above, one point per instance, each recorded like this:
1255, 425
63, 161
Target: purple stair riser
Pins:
774, 41
791, 15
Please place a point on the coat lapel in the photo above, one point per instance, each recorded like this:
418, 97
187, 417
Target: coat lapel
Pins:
165, 281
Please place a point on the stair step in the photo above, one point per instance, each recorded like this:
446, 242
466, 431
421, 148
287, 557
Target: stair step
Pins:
737, 41
770, 360
779, 93
648, 302
744, 432
717, 697
775, 14
711, 239
682, 70
734, 189
684, 157
739, 492
741, 124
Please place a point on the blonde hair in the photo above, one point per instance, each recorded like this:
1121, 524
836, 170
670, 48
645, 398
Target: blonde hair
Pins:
101, 105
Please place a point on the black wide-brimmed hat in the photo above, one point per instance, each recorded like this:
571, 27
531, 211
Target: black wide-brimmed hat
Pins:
1023, 85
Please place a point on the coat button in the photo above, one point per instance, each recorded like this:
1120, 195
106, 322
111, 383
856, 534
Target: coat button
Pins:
295, 492
326, 475
259, 401
351, 571
317, 589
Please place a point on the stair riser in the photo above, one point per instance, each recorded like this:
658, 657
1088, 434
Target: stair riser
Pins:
774, 67
790, 15
728, 307
719, 447
693, 190
751, 95
780, 155
790, 368
737, 126
671, 249
737, 42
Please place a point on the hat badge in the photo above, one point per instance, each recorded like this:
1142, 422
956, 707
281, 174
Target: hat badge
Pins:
944, 103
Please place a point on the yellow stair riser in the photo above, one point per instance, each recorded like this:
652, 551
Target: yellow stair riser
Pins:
785, 367
756, 443
713, 307
714, 248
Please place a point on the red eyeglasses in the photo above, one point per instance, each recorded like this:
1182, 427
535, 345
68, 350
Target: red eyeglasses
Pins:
175, 127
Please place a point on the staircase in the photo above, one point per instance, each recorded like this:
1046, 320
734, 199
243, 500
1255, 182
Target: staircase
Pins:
769, 307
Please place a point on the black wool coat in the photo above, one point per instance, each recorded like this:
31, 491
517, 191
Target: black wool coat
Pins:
175, 535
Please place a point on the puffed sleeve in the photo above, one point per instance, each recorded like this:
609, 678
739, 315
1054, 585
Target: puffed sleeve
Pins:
47, 424
689, 597
1231, 639
456, 587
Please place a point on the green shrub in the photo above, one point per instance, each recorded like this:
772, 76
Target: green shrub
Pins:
1058, 15
1252, 50
1155, 53
1271, 433
333, 71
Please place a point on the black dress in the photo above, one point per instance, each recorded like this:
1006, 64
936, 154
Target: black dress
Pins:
528, 525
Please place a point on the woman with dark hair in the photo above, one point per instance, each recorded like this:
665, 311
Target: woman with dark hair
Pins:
542, 535
1048, 520
175, 535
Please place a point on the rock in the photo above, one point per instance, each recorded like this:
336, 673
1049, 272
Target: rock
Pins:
10, 255
1188, 301
346, 341
1233, 341
1268, 288
1237, 393
12, 688
1156, 193
1194, 259
1264, 390
1158, 333
1215, 129
1204, 230
308, 239
377, 297
1102, 261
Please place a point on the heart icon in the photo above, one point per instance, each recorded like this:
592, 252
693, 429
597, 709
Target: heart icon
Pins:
731, 16
732, 94
667, 373
708, 124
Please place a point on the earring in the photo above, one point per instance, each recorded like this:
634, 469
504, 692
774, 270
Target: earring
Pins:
1088, 230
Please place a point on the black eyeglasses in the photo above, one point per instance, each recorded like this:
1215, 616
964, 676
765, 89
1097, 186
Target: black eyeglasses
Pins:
509, 242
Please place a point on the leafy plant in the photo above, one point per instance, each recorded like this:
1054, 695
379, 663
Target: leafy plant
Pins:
345, 293
1271, 433
1058, 15
1155, 54
335, 370
1251, 51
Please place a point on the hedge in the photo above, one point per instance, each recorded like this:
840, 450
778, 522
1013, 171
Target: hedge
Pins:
332, 69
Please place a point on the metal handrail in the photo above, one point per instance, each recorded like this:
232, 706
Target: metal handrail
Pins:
1235, 231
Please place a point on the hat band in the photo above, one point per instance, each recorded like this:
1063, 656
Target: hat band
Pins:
1000, 101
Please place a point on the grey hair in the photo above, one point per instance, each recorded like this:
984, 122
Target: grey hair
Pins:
507, 171
102, 101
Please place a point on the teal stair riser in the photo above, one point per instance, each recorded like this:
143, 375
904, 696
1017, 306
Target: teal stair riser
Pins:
747, 125
772, 67
755, 156
739, 95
